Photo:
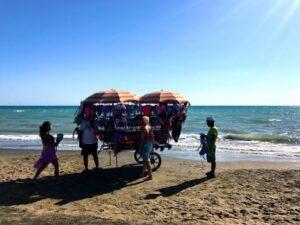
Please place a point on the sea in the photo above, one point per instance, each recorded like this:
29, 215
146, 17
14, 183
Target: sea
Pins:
263, 133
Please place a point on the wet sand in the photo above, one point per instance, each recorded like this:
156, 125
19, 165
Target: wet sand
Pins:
243, 192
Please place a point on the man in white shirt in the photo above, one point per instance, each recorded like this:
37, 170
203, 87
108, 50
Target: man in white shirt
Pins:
88, 141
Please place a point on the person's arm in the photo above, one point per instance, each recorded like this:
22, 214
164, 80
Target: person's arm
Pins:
211, 137
202, 135
141, 139
80, 134
49, 140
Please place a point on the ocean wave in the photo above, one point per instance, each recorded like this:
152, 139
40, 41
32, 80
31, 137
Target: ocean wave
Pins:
264, 120
185, 139
19, 110
187, 143
27, 137
19, 137
191, 143
274, 120
263, 138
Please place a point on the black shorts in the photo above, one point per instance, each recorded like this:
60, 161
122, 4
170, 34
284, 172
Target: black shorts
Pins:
211, 157
89, 149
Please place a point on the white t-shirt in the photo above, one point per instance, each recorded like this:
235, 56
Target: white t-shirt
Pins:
89, 134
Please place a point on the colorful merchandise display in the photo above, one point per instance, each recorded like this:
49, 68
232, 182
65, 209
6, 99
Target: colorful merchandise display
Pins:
120, 123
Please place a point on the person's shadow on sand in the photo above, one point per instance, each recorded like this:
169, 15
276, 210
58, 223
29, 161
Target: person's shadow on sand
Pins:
73, 187
172, 190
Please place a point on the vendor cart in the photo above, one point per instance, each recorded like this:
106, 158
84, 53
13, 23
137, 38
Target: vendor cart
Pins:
118, 114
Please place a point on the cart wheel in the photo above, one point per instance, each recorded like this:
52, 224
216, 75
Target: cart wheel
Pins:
155, 161
138, 157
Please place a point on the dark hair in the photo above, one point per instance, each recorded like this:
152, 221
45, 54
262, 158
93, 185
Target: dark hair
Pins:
44, 128
211, 123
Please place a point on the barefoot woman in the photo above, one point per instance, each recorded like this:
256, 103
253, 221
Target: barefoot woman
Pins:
49, 151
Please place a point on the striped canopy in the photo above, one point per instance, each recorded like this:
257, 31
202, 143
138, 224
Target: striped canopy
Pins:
112, 96
163, 97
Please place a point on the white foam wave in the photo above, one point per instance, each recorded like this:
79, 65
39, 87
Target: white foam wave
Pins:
19, 110
27, 137
274, 120
187, 142
190, 142
19, 137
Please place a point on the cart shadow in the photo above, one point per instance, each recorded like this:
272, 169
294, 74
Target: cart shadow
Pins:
173, 190
73, 187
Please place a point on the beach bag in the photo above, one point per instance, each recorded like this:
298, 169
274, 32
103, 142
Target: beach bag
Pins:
204, 150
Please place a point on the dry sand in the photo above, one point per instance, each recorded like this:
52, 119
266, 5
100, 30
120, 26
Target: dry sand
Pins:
242, 193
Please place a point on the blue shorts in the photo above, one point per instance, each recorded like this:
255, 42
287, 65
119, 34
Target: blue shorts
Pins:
147, 148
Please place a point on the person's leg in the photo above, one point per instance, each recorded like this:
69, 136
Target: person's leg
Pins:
213, 168
213, 163
148, 165
96, 160
144, 169
56, 168
209, 160
84, 153
149, 169
144, 156
85, 161
38, 172
208, 173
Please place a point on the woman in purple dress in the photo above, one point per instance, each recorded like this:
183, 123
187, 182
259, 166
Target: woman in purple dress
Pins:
49, 151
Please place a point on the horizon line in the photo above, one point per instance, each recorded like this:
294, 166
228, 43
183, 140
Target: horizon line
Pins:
191, 105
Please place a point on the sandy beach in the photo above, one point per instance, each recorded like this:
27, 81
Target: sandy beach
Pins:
243, 192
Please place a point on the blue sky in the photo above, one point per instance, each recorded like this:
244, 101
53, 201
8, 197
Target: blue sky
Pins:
214, 52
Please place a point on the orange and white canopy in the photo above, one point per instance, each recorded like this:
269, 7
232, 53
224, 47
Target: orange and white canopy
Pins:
163, 97
112, 96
